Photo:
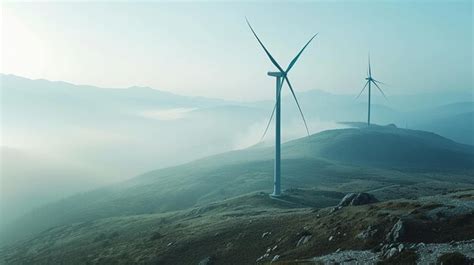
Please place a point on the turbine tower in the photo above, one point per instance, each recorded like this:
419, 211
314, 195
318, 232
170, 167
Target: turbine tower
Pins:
370, 80
281, 76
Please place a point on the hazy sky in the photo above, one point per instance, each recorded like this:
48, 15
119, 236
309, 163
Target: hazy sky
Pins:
207, 49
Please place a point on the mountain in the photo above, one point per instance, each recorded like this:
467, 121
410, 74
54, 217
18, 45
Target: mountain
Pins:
19, 90
84, 137
408, 163
455, 121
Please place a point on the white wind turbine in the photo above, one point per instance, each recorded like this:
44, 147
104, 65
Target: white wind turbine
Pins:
281, 76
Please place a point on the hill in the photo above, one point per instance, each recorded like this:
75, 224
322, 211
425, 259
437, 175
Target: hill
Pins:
84, 135
90, 134
454, 121
254, 228
391, 162
454, 126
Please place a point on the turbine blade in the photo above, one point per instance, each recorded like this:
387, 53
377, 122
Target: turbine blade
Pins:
366, 83
271, 116
297, 103
370, 71
265, 49
380, 82
298, 55
268, 124
380, 90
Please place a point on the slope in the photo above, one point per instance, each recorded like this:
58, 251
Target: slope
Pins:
253, 227
356, 159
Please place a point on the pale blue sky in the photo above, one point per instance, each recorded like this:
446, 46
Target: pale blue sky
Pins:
207, 49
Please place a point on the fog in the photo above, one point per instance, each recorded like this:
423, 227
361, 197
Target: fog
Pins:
60, 139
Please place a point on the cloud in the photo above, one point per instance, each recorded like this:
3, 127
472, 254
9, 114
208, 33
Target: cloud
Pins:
291, 130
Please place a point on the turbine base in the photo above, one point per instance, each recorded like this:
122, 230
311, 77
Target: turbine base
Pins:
273, 195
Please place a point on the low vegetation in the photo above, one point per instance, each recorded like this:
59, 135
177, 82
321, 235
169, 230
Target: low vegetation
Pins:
255, 227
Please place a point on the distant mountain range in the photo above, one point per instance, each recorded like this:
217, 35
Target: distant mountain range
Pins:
75, 138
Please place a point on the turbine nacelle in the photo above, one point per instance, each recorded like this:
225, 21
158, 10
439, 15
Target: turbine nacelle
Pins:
277, 74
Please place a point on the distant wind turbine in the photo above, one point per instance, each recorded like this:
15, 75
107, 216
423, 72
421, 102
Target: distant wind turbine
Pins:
281, 76
370, 81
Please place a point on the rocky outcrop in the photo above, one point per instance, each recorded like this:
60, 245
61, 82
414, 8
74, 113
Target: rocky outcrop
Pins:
353, 199
357, 199
393, 253
396, 232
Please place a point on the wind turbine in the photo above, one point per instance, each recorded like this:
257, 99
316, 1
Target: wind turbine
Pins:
281, 76
370, 80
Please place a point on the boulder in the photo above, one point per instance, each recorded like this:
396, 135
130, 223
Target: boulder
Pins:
275, 258
265, 234
367, 233
352, 199
207, 261
391, 252
396, 232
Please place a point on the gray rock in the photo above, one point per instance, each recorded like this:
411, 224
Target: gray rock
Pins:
455, 208
367, 233
400, 247
207, 261
303, 240
365, 257
266, 234
396, 232
275, 258
429, 253
391, 252
353, 199
264, 256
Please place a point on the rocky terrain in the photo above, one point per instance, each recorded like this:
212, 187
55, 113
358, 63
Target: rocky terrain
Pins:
255, 228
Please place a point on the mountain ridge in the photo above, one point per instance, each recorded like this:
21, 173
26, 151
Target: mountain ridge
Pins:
305, 164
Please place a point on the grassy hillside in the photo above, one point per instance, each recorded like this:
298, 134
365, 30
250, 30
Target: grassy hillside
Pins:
243, 229
400, 162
